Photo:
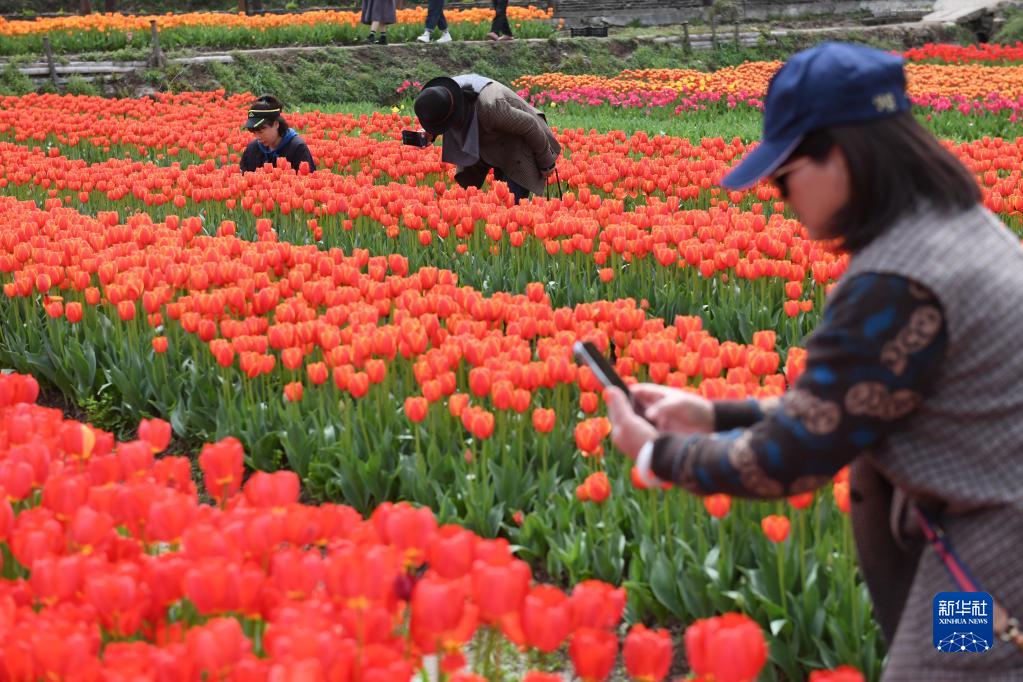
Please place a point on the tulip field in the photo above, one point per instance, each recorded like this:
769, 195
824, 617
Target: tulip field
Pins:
383, 452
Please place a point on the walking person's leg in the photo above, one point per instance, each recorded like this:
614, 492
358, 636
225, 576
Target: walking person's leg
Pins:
500, 24
442, 24
434, 18
495, 24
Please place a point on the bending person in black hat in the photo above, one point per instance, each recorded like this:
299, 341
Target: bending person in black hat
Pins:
486, 125
274, 139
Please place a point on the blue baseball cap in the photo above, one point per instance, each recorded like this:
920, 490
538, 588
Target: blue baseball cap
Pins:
828, 85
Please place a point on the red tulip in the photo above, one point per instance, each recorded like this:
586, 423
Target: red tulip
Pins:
216, 647
728, 648
437, 605
156, 432
844, 673
160, 344
546, 618
801, 501
411, 530
500, 588
593, 653
168, 518
223, 465
451, 551
596, 604
537, 676
272, 491
118, 601
647, 654
295, 572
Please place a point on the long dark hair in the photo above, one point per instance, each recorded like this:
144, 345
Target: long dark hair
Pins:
895, 167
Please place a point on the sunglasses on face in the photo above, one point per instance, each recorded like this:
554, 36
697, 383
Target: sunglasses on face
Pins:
778, 178
258, 129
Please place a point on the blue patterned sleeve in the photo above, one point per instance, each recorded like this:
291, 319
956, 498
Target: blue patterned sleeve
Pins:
870, 363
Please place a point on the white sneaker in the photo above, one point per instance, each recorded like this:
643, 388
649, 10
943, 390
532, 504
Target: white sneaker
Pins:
425, 38
444, 38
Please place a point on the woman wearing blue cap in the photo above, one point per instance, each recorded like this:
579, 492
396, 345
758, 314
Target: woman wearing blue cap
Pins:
914, 376
274, 138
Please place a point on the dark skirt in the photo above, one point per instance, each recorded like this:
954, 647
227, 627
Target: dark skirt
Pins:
378, 10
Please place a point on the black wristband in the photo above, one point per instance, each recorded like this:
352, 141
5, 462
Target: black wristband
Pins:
736, 414
666, 458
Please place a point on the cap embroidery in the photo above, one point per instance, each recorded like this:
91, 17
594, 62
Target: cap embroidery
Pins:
885, 102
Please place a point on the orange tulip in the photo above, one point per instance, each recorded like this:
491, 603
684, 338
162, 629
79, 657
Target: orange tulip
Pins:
841, 492
416, 408
293, 391
717, 505
73, 312
596, 488
775, 527
544, 420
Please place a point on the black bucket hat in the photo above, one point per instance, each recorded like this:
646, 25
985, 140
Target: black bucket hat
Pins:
439, 105
262, 112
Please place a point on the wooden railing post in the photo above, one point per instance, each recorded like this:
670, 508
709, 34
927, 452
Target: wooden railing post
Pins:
49, 60
156, 58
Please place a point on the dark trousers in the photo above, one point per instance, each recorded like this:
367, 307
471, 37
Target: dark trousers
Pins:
435, 16
500, 24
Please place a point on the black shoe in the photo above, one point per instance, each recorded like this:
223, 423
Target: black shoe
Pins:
371, 38
383, 39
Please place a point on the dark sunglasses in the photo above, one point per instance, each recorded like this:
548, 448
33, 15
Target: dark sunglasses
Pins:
779, 176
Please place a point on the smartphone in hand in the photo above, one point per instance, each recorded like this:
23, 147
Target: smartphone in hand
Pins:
588, 354
415, 138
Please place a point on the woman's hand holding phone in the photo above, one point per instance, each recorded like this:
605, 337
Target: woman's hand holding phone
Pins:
665, 409
675, 410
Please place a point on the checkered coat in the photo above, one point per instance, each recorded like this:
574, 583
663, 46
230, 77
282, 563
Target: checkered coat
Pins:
515, 137
960, 453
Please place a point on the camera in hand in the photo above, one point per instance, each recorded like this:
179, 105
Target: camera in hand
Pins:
414, 138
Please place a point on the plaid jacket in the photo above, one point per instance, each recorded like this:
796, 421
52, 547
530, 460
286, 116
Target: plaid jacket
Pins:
962, 450
515, 137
